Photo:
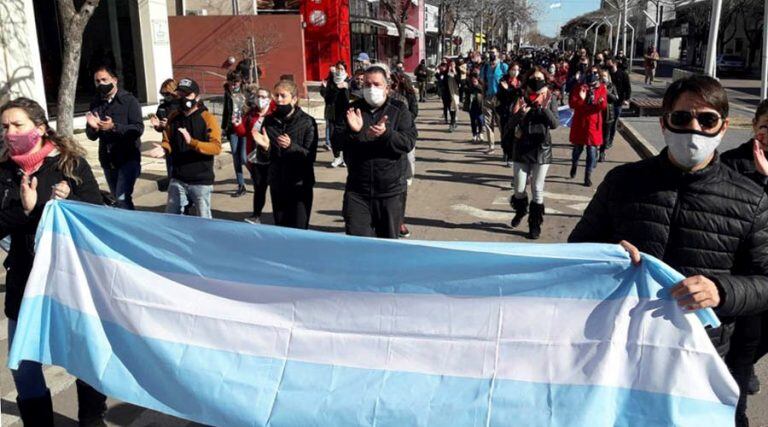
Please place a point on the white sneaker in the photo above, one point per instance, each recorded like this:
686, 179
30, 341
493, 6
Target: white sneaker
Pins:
338, 161
409, 181
253, 220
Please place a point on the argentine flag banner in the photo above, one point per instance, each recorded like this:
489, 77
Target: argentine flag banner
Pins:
231, 324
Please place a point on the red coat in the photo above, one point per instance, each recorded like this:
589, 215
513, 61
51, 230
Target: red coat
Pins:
587, 123
246, 125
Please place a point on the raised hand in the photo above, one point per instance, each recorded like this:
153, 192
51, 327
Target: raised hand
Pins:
92, 119
260, 138
28, 194
379, 128
284, 141
185, 134
106, 124
355, 120
758, 154
157, 152
61, 191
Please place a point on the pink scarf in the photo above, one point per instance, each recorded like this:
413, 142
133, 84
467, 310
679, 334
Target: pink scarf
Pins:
30, 163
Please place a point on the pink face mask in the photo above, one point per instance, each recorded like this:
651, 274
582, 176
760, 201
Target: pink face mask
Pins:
22, 143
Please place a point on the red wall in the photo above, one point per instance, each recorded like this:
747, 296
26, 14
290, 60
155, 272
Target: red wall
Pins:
326, 42
201, 44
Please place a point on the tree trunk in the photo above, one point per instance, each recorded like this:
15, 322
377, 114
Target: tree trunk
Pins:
70, 66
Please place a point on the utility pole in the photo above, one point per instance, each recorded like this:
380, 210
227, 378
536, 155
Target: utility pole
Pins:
624, 44
710, 65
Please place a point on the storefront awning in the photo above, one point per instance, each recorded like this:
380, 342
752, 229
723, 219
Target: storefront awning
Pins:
411, 32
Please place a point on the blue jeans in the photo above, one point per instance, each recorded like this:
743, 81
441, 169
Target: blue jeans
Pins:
180, 194
28, 379
612, 130
476, 121
121, 181
237, 144
591, 156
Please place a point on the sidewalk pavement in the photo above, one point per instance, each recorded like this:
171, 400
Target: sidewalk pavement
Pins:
644, 133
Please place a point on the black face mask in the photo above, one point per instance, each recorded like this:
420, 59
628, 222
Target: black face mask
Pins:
187, 104
282, 111
105, 89
536, 84
592, 78
493, 57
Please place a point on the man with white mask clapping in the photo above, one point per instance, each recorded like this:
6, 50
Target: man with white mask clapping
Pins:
376, 136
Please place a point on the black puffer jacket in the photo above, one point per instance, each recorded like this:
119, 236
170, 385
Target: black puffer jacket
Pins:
713, 222
22, 228
293, 166
741, 160
376, 167
528, 137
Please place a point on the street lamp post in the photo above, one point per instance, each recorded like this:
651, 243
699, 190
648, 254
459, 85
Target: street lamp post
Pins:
710, 65
618, 34
594, 47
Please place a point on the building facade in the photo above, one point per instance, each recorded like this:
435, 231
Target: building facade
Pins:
130, 37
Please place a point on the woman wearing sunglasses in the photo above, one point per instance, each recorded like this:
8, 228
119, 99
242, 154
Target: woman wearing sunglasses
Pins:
691, 211
750, 338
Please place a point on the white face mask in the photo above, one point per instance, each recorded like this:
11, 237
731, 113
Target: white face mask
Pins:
263, 103
339, 77
690, 149
374, 96
514, 73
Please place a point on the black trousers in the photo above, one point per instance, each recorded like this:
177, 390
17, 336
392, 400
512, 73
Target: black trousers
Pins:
744, 347
373, 217
259, 177
292, 206
335, 148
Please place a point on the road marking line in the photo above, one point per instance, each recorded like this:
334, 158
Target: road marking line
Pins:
579, 206
491, 215
567, 197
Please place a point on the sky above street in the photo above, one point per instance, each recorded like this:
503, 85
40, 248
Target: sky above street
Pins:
550, 19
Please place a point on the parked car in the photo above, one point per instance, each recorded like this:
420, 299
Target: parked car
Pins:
726, 63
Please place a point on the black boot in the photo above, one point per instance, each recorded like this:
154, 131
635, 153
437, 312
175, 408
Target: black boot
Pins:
587, 178
91, 405
453, 121
573, 170
521, 209
37, 411
535, 220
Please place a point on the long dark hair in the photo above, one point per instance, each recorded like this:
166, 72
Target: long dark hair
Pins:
70, 152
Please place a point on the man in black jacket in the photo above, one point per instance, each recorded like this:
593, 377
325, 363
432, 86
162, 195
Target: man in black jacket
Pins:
190, 141
620, 80
376, 136
114, 118
688, 209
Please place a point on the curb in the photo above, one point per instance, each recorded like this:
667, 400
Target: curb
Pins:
642, 147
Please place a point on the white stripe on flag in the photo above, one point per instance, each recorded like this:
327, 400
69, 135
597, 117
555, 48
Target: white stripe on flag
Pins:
429, 333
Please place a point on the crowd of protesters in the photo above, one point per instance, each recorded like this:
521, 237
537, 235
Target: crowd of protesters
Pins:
702, 212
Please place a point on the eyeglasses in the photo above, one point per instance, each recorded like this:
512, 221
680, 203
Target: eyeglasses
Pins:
707, 119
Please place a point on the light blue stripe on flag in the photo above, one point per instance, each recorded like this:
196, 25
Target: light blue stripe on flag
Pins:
231, 324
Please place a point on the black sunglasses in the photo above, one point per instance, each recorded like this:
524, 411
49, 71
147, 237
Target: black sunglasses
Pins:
706, 119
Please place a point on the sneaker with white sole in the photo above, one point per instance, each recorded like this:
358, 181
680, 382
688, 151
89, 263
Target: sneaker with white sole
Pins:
338, 161
253, 220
